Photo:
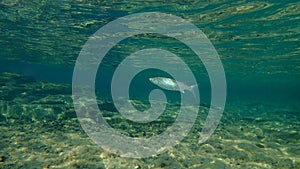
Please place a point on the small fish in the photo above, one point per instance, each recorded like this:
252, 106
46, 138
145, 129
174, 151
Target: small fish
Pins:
171, 84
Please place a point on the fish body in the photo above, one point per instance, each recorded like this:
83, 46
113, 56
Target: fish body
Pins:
171, 84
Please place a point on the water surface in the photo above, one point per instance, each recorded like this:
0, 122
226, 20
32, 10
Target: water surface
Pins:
257, 41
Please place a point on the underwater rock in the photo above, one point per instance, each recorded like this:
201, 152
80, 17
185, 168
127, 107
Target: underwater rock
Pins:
211, 164
27, 99
2, 158
285, 163
107, 106
237, 154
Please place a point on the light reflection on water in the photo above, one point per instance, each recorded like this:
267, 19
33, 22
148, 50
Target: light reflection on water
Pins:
257, 41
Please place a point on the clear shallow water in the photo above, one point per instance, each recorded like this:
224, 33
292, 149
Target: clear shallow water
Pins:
258, 43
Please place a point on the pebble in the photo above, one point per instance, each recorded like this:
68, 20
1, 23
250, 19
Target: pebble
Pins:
2, 158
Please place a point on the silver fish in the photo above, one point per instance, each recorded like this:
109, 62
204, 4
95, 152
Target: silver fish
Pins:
171, 84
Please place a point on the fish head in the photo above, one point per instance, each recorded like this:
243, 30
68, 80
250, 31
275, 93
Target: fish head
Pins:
157, 80
153, 80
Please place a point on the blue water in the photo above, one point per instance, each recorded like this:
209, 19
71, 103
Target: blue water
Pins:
258, 44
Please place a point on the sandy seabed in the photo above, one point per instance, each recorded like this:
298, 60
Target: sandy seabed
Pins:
39, 129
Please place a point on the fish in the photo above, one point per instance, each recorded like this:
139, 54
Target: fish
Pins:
173, 85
